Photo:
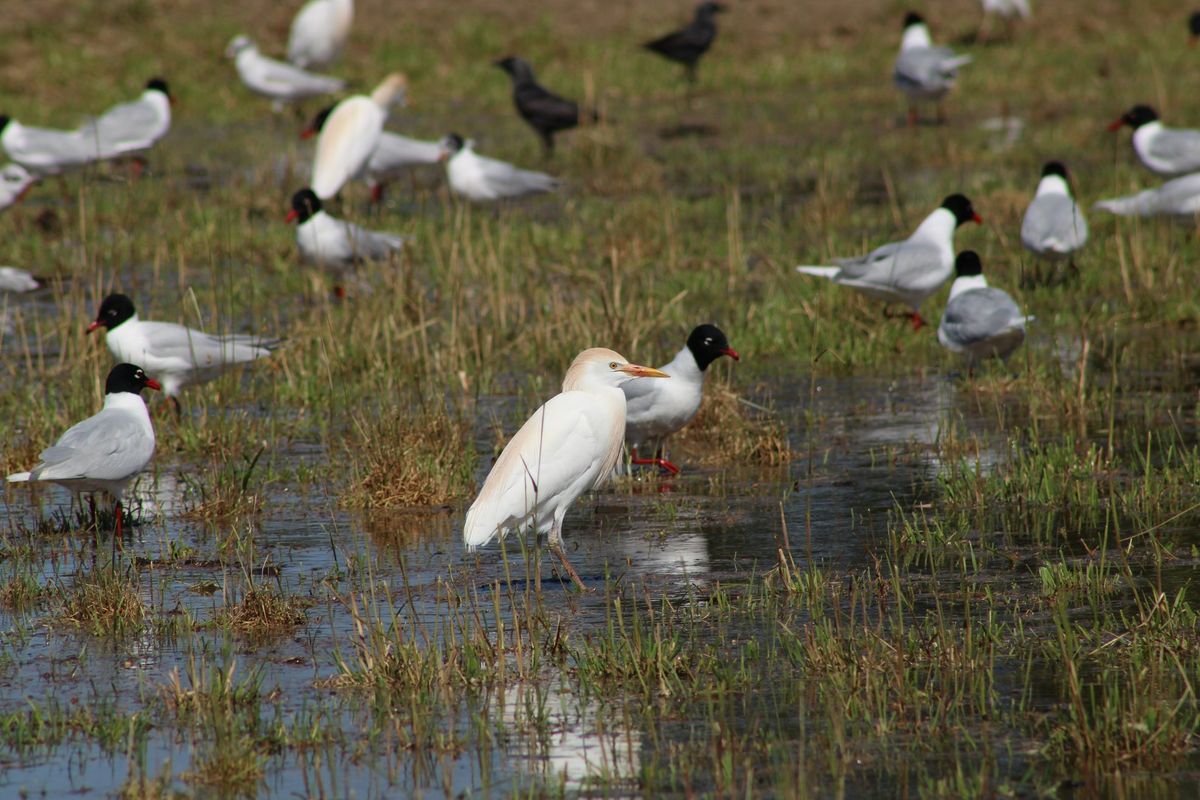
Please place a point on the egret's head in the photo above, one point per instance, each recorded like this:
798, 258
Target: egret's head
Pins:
599, 367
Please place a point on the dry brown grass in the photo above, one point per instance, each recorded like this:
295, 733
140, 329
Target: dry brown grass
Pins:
727, 430
105, 602
263, 612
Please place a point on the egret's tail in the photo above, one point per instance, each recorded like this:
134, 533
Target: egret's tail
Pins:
18, 477
820, 272
476, 532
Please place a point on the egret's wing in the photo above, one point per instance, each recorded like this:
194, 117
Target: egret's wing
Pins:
348, 138
979, 315
108, 446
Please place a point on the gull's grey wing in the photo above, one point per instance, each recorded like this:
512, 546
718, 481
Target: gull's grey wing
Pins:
1177, 146
108, 446
48, 149
978, 315
375, 245
396, 152
126, 127
928, 68
510, 181
171, 341
283, 77
899, 264
1054, 222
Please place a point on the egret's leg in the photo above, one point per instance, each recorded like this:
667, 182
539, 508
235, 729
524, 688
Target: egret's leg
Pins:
556, 547
118, 542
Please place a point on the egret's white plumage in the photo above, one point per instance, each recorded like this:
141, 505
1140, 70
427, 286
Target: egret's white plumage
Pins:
130, 128
924, 72
174, 354
332, 242
17, 280
319, 32
568, 447
1053, 227
15, 181
277, 80
910, 271
106, 451
979, 322
1178, 197
350, 135
392, 155
481, 179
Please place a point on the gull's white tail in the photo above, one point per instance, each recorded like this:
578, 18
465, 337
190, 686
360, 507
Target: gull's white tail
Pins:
820, 272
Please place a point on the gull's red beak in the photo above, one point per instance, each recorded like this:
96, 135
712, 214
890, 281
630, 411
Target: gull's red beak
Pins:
292, 216
308, 132
729, 351
978, 220
1116, 124
153, 384
95, 324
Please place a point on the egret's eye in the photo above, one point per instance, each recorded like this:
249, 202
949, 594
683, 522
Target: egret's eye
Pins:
613, 365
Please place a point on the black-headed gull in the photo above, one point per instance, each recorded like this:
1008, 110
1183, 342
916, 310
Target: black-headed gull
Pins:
393, 155
569, 446
546, 112
15, 182
18, 281
686, 45
1053, 227
130, 128
481, 179
910, 271
173, 354
278, 81
656, 409
1166, 151
45, 151
979, 322
1178, 197
923, 71
319, 32
106, 451
350, 135
332, 242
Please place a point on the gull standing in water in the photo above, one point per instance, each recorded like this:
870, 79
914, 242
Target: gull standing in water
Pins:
350, 135
979, 322
1053, 227
277, 81
924, 73
481, 179
568, 447
107, 450
656, 409
319, 33
910, 271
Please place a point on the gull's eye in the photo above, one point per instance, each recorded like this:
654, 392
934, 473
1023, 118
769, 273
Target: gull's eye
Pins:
613, 365
708, 340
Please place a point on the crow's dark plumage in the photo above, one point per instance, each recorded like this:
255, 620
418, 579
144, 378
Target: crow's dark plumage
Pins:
688, 44
546, 112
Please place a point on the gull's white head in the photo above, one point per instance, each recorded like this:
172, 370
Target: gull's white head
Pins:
240, 42
599, 367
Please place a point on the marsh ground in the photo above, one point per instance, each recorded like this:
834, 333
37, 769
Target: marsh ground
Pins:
937, 587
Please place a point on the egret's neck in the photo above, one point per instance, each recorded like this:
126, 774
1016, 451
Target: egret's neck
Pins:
916, 36
1053, 184
966, 284
937, 228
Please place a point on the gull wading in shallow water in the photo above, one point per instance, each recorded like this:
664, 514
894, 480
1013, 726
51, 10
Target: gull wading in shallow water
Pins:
979, 322
175, 355
568, 447
686, 45
481, 179
1166, 151
275, 80
319, 32
1053, 227
332, 242
394, 154
924, 72
106, 451
656, 409
910, 271
350, 135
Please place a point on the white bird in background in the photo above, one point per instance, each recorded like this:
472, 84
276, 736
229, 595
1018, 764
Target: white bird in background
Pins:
106, 451
924, 73
1178, 197
1054, 227
45, 151
278, 81
332, 242
15, 182
1166, 151
910, 271
656, 409
175, 355
1007, 9
319, 33
130, 128
979, 321
394, 154
350, 135
481, 179
569, 446
18, 281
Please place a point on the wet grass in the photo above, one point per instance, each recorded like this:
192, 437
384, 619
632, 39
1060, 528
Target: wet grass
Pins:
876, 576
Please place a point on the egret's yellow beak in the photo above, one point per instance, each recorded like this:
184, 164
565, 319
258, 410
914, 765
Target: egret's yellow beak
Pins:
638, 371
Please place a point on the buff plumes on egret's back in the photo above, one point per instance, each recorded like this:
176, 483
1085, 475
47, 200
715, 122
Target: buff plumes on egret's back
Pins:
569, 446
